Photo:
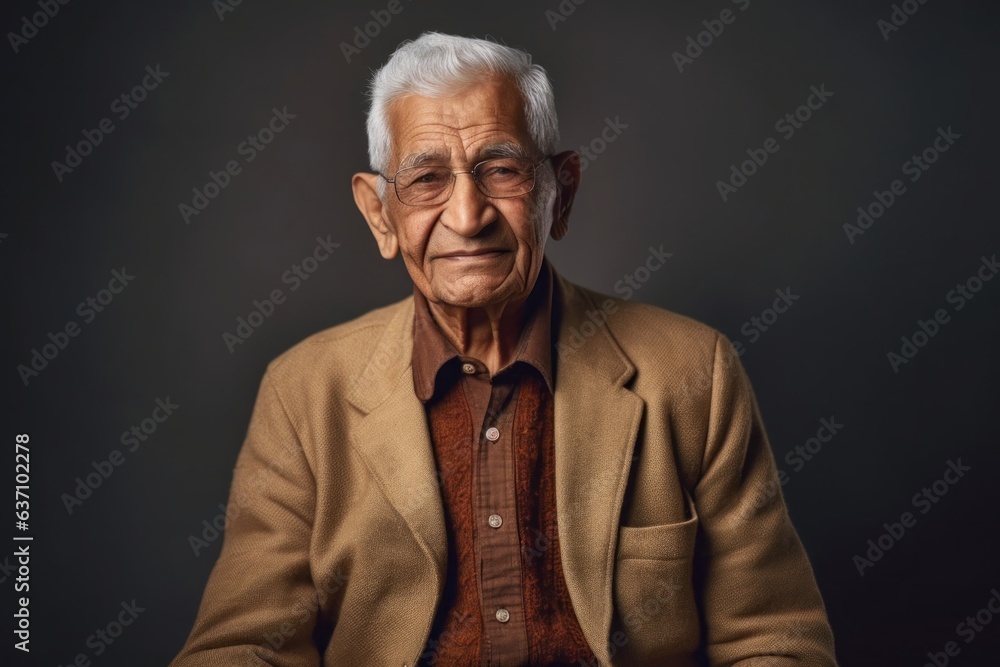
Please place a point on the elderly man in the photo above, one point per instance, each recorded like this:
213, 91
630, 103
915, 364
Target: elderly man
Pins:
506, 468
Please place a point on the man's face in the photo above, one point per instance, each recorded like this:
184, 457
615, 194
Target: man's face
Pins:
470, 251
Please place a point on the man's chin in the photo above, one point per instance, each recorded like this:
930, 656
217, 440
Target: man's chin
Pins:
473, 293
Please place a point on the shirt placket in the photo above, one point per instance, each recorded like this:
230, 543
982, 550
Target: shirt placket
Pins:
495, 511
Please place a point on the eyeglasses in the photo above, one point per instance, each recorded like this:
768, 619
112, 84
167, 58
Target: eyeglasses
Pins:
497, 178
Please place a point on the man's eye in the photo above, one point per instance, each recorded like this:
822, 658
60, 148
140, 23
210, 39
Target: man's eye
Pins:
500, 172
428, 178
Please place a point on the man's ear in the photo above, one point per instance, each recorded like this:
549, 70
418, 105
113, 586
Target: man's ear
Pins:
366, 197
566, 166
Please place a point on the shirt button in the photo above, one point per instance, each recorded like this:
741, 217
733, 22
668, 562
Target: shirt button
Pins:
495, 521
492, 434
468, 369
503, 615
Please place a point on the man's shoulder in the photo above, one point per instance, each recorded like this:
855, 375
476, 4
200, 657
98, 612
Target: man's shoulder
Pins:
676, 358
649, 322
645, 330
340, 349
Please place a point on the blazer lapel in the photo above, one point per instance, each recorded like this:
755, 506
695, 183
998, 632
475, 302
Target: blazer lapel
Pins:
393, 438
596, 424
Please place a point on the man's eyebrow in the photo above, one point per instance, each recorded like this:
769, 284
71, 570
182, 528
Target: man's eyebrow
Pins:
504, 149
488, 152
422, 158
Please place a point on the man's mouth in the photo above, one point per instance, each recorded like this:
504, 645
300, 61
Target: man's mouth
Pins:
480, 253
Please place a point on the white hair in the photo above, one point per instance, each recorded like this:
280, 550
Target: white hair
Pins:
437, 65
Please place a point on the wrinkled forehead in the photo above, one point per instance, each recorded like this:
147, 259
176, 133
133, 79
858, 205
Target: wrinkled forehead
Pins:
474, 123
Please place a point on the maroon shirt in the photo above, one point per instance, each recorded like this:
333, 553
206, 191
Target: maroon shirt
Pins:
494, 447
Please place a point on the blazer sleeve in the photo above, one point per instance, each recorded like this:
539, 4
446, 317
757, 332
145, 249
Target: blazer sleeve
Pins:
260, 603
760, 599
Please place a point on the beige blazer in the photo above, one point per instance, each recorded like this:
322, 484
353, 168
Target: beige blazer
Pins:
676, 544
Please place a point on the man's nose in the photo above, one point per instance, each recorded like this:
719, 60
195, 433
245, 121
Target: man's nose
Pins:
468, 210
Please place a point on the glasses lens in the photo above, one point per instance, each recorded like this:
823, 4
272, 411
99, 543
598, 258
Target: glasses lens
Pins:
422, 185
506, 177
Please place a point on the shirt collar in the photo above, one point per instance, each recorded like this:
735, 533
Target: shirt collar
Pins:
432, 349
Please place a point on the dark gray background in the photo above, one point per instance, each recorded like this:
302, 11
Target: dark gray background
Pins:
162, 336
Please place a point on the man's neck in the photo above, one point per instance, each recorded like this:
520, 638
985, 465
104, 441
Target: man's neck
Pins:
489, 334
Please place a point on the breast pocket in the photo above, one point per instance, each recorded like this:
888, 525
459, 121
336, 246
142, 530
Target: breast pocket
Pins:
654, 598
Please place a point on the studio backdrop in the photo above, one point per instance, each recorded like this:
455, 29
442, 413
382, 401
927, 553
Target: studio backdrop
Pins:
817, 180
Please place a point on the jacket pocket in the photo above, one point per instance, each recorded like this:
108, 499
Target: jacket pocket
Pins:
667, 541
656, 614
